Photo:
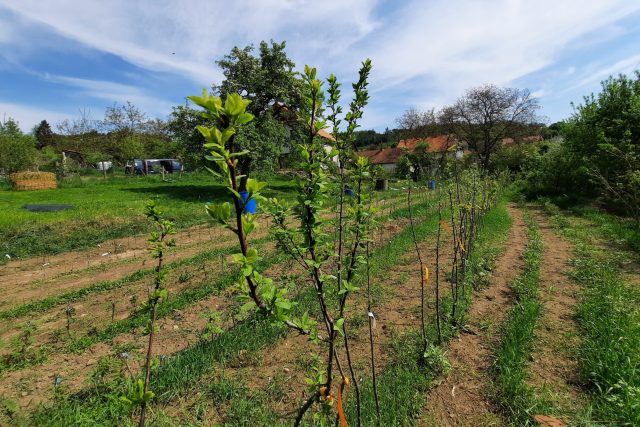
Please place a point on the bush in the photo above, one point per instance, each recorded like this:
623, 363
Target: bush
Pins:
600, 158
17, 152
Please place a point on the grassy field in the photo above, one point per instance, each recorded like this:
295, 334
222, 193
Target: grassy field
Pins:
103, 210
58, 369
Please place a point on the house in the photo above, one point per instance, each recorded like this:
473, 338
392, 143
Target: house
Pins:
283, 160
443, 144
385, 157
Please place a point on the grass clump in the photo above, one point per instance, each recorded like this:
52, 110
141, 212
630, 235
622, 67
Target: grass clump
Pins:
608, 316
514, 395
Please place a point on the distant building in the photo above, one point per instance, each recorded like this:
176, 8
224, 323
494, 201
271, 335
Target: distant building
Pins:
441, 144
385, 157
434, 144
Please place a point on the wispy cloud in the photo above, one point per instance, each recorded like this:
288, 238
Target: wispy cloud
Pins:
115, 93
28, 115
424, 53
187, 38
460, 43
596, 75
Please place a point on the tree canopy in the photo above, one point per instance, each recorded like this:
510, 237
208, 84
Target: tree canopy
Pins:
17, 150
485, 115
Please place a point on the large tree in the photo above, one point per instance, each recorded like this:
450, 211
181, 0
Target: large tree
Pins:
487, 114
265, 80
604, 133
416, 124
268, 80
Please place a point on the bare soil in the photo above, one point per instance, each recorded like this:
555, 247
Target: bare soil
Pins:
462, 398
554, 367
31, 386
286, 364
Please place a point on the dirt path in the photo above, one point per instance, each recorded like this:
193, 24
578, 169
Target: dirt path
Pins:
554, 370
462, 399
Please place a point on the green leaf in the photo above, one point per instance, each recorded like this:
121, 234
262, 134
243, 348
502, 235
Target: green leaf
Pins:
252, 255
244, 118
247, 269
339, 326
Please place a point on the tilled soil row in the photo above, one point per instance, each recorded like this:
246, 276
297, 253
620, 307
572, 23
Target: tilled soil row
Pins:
463, 397
37, 278
288, 360
96, 308
34, 385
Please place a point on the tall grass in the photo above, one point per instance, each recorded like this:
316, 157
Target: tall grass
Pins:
608, 314
103, 210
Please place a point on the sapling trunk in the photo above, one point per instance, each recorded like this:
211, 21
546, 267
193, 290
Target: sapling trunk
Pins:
454, 264
372, 320
423, 326
438, 273
158, 246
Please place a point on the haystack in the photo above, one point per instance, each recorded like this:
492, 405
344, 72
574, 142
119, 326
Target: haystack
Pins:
33, 180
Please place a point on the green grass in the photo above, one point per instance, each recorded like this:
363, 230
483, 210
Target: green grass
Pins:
105, 210
174, 302
515, 396
403, 385
181, 372
50, 302
609, 318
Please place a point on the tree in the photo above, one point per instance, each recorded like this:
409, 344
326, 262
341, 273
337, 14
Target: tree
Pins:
265, 80
418, 163
17, 150
10, 127
125, 118
416, 124
486, 115
269, 82
604, 133
44, 135
78, 130
182, 128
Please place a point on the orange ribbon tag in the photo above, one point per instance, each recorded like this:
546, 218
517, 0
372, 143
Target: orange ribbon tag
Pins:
343, 419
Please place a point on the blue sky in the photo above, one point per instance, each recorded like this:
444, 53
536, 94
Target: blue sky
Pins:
62, 56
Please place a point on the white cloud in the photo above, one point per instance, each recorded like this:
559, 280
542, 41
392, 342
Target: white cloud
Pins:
461, 43
187, 37
538, 93
596, 75
29, 116
116, 93
425, 52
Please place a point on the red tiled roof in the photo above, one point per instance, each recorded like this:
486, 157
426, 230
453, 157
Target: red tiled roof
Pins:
382, 156
435, 144
324, 134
